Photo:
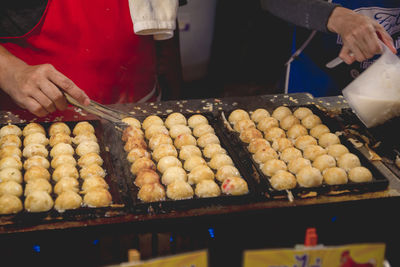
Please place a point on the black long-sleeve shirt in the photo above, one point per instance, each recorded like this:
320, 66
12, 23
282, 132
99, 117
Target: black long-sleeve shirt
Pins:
311, 14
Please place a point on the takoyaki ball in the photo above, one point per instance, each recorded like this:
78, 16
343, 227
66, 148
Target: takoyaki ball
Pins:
196, 120
84, 137
91, 158
249, 134
302, 112
135, 142
173, 174
151, 120
38, 201
10, 188
212, 149
87, 147
243, 124
132, 122
283, 180
136, 153
193, 162
174, 119
36, 138
154, 130
219, 160
337, 150
265, 154
60, 138
259, 114
184, 140
274, 133
296, 131
10, 151
179, 129
36, 172
66, 170
10, 162
10, 129
304, 141
258, 144
288, 122
234, 186
35, 150
68, 200
203, 129
225, 172
10, 140
10, 174
97, 197
145, 176
90, 170
179, 190
348, 161
238, 115
189, 151
270, 167
32, 128
309, 177
207, 139
319, 130
93, 182
59, 127
199, 173
334, 176
151, 193
62, 160
167, 162
328, 139
62, 149
83, 127
10, 204
290, 154
297, 164
281, 112
66, 184
281, 144
324, 162
207, 188
311, 121
360, 174
163, 151
313, 151
266, 123
141, 164
38, 185
131, 131
159, 139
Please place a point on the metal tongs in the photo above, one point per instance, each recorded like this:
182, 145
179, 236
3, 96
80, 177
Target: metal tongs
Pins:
99, 110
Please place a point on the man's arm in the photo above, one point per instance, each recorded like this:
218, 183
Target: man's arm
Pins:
360, 34
36, 88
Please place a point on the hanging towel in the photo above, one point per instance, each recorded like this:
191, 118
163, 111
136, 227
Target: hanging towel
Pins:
154, 17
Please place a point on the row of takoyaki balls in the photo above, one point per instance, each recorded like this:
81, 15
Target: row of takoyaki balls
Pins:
36, 168
171, 143
295, 148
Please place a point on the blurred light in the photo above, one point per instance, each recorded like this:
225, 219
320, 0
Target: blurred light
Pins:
95, 242
334, 219
36, 248
211, 232
171, 239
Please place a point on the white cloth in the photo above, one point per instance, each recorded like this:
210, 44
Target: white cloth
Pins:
154, 17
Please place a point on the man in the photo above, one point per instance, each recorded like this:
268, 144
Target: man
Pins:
86, 48
348, 29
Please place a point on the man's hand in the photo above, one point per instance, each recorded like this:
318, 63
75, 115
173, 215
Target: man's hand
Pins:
360, 35
36, 88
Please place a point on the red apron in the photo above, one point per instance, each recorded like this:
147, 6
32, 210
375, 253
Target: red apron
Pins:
91, 42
